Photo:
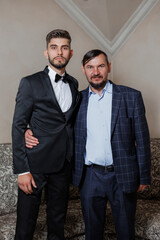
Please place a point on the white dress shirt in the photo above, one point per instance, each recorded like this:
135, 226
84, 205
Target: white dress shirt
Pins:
61, 90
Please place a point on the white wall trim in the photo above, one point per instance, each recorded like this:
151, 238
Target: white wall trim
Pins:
110, 47
132, 24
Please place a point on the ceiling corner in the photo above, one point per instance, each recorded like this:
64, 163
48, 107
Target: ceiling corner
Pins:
110, 47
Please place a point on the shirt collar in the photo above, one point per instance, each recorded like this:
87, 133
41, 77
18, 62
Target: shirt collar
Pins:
52, 73
107, 88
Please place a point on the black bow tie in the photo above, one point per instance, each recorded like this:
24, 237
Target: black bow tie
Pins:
58, 77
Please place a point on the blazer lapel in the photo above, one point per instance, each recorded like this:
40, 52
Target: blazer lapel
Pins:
74, 91
84, 107
48, 88
116, 100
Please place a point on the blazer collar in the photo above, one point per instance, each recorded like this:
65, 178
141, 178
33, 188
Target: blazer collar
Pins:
67, 76
46, 70
116, 100
48, 87
73, 87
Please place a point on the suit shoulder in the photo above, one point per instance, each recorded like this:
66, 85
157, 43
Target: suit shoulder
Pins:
32, 79
84, 91
34, 75
125, 89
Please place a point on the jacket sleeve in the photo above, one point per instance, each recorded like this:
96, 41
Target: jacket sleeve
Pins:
22, 115
142, 141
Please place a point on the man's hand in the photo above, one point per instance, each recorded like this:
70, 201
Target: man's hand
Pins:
30, 140
25, 183
142, 188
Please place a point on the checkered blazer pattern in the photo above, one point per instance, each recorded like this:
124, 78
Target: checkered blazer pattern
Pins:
130, 139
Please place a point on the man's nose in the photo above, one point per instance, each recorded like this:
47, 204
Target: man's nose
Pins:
59, 51
96, 71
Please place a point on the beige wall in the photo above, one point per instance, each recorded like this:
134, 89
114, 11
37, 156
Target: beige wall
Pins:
138, 65
24, 25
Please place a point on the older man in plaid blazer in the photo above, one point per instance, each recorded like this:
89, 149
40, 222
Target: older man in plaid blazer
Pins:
112, 150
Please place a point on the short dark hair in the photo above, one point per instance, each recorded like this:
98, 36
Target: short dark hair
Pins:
58, 33
92, 54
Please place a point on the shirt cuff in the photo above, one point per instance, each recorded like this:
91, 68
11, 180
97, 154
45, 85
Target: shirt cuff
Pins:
23, 173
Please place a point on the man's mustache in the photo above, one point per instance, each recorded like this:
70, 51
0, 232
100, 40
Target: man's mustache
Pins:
97, 76
59, 57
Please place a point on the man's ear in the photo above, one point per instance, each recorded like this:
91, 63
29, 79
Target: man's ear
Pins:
83, 69
71, 53
46, 53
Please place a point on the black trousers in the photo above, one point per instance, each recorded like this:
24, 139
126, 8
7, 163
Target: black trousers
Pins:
56, 191
97, 189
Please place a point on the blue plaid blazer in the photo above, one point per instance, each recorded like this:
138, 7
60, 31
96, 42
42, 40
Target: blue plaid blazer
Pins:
130, 139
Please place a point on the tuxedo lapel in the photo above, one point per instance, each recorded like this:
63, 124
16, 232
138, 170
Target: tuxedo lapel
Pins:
74, 91
116, 100
47, 85
49, 91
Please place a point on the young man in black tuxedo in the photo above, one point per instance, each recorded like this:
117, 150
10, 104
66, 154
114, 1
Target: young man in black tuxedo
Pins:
46, 101
112, 150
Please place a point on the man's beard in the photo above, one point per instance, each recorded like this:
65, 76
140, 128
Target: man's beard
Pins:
98, 85
59, 65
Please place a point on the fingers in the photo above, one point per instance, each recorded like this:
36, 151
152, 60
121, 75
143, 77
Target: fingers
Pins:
29, 132
30, 140
25, 183
33, 183
27, 188
141, 188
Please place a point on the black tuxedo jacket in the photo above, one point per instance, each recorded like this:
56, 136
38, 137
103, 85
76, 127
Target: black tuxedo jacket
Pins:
36, 106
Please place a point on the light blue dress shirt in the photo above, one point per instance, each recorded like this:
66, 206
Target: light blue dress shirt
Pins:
98, 145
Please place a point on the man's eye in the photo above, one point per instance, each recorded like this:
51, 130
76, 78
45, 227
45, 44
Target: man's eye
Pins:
89, 67
101, 66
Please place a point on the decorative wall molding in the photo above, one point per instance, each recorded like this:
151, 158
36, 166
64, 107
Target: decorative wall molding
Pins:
110, 47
